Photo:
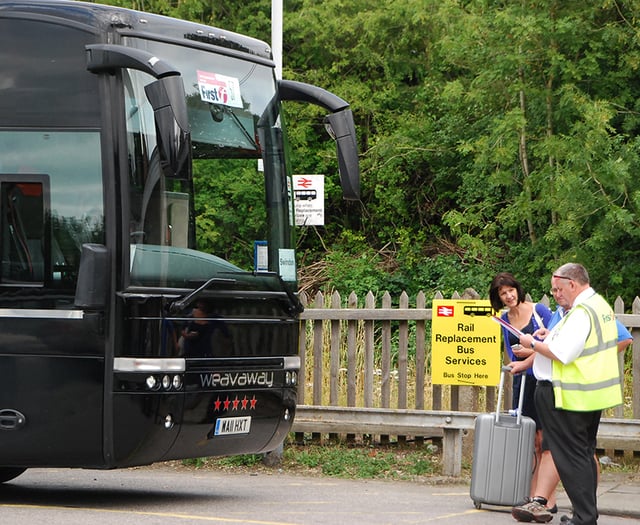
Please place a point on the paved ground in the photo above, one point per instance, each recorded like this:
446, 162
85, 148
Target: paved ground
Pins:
618, 495
162, 495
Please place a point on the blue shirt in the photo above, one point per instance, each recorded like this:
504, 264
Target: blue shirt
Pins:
623, 333
545, 316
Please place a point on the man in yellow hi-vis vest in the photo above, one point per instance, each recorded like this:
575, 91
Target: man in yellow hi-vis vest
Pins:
576, 366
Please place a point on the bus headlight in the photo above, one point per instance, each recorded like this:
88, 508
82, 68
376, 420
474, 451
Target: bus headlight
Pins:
166, 382
152, 383
290, 378
177, 382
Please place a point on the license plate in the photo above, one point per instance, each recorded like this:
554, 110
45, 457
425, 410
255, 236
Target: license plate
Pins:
232, 425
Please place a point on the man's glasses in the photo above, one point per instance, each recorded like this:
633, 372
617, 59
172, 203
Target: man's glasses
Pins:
554, 291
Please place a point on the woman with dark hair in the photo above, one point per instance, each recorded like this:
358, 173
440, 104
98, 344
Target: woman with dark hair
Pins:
506, 293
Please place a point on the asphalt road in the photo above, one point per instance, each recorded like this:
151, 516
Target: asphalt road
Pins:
164, 496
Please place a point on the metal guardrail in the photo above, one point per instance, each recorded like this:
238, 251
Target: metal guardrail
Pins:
613, 433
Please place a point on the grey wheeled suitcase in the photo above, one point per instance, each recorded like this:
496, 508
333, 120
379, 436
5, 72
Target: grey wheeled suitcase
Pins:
503, 455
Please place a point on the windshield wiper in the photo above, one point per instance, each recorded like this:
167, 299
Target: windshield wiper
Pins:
219, 111
295, 306
180, 304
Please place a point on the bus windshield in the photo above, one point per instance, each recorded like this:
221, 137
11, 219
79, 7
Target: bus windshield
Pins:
242, 191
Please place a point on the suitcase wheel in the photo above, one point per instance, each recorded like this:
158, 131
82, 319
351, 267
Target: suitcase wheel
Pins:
477, 504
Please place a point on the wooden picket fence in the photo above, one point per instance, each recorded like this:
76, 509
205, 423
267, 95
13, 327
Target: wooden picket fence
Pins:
378, 356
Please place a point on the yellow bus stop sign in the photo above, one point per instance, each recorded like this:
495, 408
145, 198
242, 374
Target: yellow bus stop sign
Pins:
465, 343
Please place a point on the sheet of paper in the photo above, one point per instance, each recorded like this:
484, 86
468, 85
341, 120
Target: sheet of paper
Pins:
506, 325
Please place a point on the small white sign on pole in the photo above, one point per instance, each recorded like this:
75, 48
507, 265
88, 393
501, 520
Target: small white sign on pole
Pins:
308, 196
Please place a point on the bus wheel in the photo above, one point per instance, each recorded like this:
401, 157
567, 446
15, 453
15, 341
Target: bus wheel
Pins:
8, 473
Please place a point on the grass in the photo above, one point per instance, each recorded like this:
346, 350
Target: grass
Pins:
363, 462
408, 461
393, 461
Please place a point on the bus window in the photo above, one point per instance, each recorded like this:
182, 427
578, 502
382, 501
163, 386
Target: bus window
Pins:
23, 239
50, 139
51, 203
160, 209
177, 219
45, 82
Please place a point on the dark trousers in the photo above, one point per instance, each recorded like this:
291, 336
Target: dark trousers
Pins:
571, 438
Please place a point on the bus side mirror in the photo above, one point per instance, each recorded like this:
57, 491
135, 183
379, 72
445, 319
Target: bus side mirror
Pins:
167, 98
342, 129
93, 277
339, 124
166, 95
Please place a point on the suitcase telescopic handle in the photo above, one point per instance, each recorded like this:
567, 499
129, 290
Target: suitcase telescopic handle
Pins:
506, 369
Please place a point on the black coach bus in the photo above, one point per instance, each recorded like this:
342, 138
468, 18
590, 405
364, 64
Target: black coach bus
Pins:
121, 344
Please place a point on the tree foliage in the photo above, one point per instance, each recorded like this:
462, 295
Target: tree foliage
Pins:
494, 134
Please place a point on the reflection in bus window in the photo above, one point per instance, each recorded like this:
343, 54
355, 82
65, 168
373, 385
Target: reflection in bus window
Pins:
22, 216
51, 203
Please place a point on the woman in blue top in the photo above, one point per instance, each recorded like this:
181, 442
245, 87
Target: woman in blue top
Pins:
506, 292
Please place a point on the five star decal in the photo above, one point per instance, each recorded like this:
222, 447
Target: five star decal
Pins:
235, 404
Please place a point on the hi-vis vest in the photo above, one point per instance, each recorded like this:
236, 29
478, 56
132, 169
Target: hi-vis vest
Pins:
592, 381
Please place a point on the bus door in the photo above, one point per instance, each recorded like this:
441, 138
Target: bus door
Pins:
143, 385
51, 363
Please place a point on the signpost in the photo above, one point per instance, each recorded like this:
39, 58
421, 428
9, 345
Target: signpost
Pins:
260, 256
308, 196
465, 343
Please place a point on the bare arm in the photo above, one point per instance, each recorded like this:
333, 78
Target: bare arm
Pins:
521, 366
